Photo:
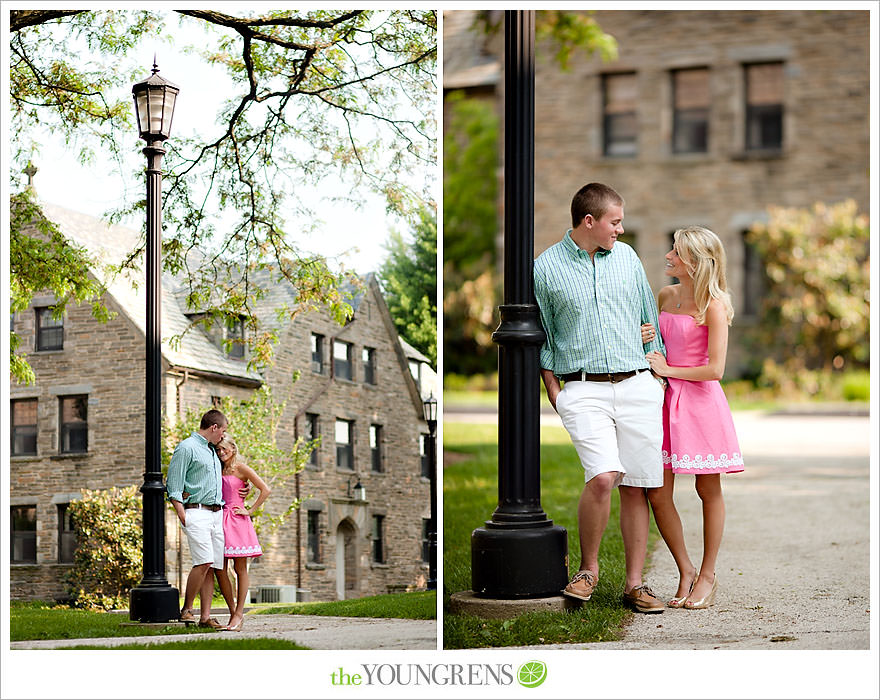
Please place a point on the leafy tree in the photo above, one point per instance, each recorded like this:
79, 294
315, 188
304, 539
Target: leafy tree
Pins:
347, 95
471, 277
41, 258
109, 547
815, 314
409, 279
254, 424
471, 284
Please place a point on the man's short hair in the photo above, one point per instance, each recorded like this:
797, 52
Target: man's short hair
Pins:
213, 417
594, 199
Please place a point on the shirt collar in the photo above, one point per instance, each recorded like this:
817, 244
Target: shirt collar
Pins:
200, 437
573, 248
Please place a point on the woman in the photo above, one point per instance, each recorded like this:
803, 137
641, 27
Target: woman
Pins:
238, 530
698, 433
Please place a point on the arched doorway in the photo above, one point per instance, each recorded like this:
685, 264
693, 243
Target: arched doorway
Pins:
346, 560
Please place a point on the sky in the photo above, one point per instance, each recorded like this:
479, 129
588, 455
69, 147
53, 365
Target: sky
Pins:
353, 236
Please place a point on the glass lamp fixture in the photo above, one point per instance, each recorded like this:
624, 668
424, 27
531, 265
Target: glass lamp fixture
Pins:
154, 100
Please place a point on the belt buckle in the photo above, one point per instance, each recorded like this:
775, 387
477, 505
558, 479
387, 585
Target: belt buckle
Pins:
611, 378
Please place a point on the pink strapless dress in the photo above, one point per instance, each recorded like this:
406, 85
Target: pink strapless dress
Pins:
238, 530
698, 432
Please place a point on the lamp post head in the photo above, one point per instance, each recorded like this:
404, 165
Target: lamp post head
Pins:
154, 100
430, 409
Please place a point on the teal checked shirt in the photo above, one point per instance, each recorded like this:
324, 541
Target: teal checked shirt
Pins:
592, 310
195, 468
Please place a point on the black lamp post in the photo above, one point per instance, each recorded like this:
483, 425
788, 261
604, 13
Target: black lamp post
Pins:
430, 408
519, 553
154, 599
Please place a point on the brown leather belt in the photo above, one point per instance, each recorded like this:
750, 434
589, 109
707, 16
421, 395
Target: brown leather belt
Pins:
214, 508
602, 377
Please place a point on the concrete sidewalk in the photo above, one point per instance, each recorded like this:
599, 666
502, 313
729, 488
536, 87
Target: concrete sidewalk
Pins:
793, 569
312, 631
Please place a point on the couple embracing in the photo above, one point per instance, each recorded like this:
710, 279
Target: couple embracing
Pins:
639, 406
207, 484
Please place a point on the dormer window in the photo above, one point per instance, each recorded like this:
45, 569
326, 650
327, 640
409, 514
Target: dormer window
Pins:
234, 337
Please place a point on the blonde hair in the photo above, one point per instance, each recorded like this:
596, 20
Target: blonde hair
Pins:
703, 255
227, 441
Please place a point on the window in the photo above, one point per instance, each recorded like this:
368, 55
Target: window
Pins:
317, 353
216, 402
376, 447
368, 359
235, 335
426, 545
754, 279
313, 543
23, 521
690, 121
342, 360
74, 430
24, 426
764, 91
312, 434
619, 115
423, 452
50, 331
378, 540
344, 444
66, 535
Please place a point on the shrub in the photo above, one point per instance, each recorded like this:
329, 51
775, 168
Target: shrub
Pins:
109, 557
857, 386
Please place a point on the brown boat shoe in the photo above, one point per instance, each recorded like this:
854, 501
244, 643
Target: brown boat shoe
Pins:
642, 599
581, 585
211, 622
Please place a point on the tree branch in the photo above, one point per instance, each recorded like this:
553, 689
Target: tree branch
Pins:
19, 19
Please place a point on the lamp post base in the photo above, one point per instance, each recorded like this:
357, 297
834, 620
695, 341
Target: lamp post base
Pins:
519, 562
154, 604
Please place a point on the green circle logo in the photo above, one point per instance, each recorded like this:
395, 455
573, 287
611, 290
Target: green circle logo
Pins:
531, 674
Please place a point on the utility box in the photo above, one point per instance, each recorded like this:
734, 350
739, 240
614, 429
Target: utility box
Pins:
273, 594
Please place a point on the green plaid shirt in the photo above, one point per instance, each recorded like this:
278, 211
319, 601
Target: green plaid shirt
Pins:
195, 468
592, 310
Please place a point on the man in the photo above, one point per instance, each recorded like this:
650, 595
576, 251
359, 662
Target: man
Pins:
195, 489
593, 295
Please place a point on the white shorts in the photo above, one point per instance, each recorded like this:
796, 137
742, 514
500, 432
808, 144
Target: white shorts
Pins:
204, 532
616, 427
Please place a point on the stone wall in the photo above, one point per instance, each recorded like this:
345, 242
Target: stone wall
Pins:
106, 362
825, 149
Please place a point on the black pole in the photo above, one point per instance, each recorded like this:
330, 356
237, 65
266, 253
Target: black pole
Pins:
154, 599
432, 523
519, 553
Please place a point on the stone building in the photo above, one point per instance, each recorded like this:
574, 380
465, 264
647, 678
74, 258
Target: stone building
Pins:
81, 425
706, 117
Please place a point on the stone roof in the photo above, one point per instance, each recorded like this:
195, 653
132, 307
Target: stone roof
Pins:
109, 244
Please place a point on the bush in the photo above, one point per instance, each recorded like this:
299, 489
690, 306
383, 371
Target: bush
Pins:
857, 386
109, 557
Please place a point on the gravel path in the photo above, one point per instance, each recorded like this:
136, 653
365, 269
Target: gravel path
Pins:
312, 631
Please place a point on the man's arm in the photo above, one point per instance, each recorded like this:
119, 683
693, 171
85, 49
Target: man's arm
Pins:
176, 468
551, 383
648, 309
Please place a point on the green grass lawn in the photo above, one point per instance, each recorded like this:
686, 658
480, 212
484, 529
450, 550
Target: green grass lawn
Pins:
470, 496
41, 620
